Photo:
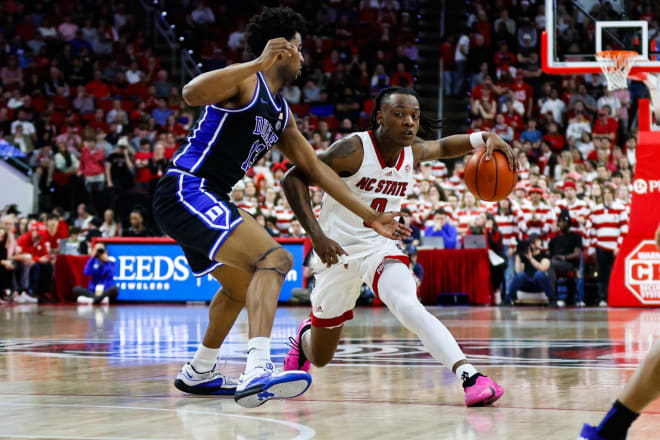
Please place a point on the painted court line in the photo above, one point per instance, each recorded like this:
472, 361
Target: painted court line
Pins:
305, 432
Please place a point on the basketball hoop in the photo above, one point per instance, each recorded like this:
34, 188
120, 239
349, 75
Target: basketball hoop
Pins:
616, 66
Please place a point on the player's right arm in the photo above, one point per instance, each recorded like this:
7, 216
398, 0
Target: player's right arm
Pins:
343, 157
222, 85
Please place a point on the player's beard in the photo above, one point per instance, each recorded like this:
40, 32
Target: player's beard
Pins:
288, 74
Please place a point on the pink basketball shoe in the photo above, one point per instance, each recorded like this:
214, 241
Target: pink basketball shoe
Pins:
481, 390
295, 358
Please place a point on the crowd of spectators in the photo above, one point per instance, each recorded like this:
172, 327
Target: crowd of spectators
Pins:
575, 140
97, 118
85, 98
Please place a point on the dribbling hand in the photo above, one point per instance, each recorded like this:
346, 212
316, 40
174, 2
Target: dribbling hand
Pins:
275, 50
387, 224
494, 142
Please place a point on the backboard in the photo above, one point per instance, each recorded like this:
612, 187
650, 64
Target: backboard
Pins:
577, 29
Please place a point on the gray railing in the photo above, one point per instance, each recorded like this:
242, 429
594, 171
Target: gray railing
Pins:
182, 65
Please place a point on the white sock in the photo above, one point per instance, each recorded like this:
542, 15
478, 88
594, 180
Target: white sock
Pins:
396, 288
258, 352
205, 358
468, 370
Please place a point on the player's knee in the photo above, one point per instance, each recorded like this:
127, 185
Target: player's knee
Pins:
279, 260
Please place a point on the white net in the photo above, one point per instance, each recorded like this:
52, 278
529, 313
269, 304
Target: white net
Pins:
616, 65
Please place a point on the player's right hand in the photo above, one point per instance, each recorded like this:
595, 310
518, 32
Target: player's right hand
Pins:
387, 224
328, 251
275, 50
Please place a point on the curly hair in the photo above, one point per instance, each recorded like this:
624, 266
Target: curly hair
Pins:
272, 23
428, 127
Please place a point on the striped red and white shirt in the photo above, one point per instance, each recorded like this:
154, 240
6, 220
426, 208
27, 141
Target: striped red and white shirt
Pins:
535, 220
284, 217
490, 207
454, 183
246, 205
508, 226
608, 225
439, 170
579, 208
451, 213
466, 218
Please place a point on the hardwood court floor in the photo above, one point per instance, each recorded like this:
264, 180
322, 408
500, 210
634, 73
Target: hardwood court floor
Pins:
106, 373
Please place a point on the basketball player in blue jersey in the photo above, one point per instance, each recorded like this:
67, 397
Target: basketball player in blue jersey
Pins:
377, 165
243, 118
642, 389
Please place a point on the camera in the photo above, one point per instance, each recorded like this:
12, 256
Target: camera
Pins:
523, 248
99, 252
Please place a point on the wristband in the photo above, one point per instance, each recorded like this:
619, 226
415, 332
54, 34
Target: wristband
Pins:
477, 140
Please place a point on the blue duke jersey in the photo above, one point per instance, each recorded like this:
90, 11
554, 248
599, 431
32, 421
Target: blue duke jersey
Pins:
226, 142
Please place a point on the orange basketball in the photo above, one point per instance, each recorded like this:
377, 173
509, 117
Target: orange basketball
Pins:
490, 180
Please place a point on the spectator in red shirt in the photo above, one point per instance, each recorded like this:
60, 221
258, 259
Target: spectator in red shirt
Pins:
51, 236
513, 118
401, 78
504, 56
62, 227
554, 138
98, 88
36, 264
523, 92
99, 123
330, 63
92, 168
142, 172
606, 125
447, 50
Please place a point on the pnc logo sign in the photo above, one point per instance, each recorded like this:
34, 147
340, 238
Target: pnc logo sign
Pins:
642, 276
643, 186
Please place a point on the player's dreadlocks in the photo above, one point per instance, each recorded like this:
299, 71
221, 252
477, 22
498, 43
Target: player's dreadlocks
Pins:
428, 127
272, 23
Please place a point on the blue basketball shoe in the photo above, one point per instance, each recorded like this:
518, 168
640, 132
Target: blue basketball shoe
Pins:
212, 382
590, 433
264, 383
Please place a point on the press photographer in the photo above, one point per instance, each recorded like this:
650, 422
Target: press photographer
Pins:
101, 269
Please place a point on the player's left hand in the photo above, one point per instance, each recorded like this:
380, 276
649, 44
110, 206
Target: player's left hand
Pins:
387, 224
494, 142
657, 236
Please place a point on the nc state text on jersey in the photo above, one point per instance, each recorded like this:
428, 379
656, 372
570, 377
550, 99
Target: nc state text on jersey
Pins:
386, 187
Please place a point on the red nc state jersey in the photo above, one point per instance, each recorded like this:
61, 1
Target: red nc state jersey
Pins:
381, 187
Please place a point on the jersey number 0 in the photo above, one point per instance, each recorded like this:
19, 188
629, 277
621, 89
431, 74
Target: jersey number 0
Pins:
377, 205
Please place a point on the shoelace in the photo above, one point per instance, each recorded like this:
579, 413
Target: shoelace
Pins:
293, 343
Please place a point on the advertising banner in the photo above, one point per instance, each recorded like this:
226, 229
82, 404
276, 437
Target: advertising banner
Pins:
156, 270
635, 278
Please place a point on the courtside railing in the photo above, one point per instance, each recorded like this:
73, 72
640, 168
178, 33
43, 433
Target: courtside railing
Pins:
183, 65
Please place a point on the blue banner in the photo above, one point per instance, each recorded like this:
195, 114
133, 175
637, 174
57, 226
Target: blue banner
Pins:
160, 272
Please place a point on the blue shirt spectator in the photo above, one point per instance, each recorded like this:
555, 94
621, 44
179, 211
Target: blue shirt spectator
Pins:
531, 134
161, 112
442, 228
101, 269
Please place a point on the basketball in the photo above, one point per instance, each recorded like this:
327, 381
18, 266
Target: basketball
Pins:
490, 180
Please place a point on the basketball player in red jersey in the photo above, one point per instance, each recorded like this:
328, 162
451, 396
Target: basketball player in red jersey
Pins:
642, 389
378, 166
243, 117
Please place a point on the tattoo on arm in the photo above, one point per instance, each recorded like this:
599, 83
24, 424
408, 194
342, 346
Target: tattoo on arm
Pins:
340, 158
